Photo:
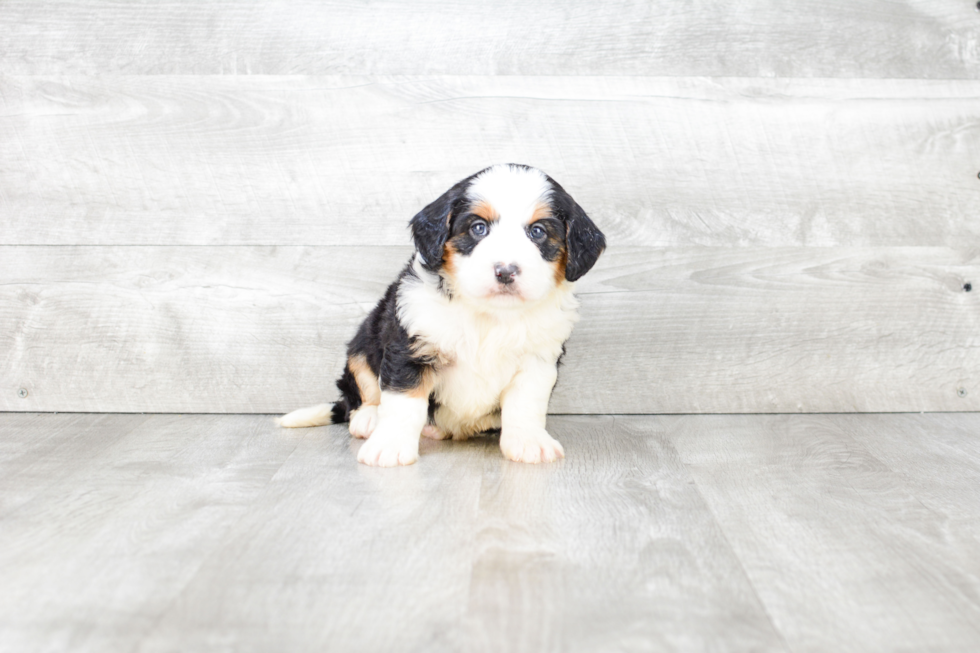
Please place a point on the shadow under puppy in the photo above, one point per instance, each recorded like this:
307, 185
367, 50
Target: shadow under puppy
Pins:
468, 338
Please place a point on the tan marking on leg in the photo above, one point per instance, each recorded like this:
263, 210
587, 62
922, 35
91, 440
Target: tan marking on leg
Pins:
424, 388
367, 382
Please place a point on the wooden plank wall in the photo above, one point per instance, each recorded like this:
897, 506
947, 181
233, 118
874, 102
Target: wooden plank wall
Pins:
199, 201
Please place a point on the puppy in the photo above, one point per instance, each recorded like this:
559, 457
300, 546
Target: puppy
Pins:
469, 336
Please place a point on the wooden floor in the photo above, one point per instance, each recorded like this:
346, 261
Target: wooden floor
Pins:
686, 533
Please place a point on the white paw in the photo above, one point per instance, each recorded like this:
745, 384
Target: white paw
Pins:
362, 421
434, 432
532, 445
388, 447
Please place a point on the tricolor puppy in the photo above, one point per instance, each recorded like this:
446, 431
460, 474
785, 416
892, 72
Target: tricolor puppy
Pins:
468, 338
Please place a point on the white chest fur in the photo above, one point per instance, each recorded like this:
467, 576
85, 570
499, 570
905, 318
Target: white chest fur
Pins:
479, 352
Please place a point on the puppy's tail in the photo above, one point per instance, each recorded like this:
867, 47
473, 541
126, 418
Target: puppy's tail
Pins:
313, 416
323, 414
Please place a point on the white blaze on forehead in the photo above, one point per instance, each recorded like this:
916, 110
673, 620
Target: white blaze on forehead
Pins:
512, 192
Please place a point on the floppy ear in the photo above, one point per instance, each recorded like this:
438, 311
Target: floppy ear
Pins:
430, 226
583, 240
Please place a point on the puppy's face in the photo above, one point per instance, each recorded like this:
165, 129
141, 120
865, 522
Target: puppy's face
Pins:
506, 236
506, 247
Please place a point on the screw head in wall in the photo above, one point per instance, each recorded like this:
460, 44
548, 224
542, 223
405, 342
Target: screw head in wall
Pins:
961, 392
22, 393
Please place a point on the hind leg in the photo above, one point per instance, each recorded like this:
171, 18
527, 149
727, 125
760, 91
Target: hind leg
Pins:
433, 432
364, 420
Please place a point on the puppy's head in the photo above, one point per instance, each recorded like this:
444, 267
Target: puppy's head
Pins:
506, 236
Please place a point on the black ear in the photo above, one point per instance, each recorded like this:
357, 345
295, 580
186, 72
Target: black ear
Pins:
431, 225
583, 240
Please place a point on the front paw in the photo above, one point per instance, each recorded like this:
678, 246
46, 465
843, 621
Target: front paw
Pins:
530, 446
389, 448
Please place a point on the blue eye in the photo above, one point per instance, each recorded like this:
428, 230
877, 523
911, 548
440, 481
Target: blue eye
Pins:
479, 228
538, 232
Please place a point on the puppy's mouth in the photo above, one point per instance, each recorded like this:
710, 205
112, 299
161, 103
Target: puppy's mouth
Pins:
509, 291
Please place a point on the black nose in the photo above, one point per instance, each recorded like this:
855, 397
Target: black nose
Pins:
506, 273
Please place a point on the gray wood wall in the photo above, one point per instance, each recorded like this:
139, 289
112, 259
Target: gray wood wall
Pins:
200, 200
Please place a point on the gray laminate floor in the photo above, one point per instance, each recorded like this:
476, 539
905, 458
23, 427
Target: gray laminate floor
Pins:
694, 533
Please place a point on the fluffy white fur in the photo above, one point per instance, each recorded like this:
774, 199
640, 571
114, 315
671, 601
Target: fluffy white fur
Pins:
485, 352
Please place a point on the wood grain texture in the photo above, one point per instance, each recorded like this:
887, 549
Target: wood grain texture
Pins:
677, 533
39, 451
167, 160
673, 330
105, 533
830, 38
176, 329
937, 456
844, 550
205, 532
337, 556
778, 330
617, 541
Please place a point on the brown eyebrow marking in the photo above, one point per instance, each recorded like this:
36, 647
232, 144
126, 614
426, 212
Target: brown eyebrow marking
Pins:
485, 211
541, 211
